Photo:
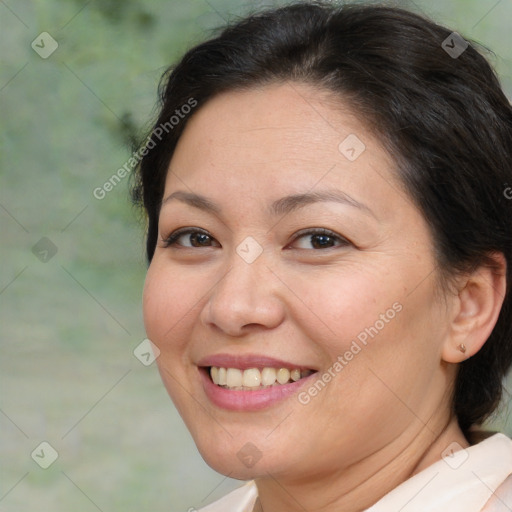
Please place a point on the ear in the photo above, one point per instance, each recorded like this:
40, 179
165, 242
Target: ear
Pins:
477, 306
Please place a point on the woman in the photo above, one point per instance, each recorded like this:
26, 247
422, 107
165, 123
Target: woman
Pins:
330, 260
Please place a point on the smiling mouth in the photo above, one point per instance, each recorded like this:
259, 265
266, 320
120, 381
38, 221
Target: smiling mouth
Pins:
253, 379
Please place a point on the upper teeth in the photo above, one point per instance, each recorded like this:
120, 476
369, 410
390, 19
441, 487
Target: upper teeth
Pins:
253, 377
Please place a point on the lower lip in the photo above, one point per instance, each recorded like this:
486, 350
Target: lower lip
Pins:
249, 400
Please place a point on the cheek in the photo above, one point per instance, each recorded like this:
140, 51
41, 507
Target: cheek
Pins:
167, 300
340, 306
378, 327
153, 305
167, 303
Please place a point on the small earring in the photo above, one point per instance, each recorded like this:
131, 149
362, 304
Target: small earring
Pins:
462, 348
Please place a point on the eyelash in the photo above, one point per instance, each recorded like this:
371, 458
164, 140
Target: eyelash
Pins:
171, 240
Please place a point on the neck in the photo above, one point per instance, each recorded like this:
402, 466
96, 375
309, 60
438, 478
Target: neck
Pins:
359, 486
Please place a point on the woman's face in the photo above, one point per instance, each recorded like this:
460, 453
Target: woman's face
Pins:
304, 253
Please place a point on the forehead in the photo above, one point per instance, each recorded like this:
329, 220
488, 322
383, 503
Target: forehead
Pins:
284, 137
275, 120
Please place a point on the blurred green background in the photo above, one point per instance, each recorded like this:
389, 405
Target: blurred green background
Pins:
71, 319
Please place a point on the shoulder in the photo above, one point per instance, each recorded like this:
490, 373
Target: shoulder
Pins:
239, 500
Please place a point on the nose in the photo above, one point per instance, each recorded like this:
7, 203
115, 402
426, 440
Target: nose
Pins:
246, 298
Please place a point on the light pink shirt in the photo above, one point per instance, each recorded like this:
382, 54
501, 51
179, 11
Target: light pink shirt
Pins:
463, 481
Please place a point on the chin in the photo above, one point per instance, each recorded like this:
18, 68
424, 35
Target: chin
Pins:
238, 457
232, 465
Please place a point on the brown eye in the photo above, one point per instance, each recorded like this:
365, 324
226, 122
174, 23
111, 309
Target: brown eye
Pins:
320, 239
189, 238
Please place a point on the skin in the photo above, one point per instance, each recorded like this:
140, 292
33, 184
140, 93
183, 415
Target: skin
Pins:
387, 414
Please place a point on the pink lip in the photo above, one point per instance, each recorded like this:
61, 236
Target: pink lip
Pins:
247, 401
243, 362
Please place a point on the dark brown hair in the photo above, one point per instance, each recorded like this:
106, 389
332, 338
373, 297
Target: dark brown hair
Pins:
443, 117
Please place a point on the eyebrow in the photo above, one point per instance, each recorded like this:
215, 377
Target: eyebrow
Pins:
281, 206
